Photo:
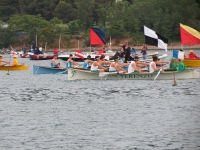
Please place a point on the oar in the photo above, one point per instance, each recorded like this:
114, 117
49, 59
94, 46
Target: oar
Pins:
9, 65
174, 80
157, 74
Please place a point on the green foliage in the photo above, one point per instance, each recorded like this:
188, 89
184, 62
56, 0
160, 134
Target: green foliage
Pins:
51, 18
5, 37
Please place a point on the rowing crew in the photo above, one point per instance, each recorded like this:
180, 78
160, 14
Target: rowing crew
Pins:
135, 65
5, 62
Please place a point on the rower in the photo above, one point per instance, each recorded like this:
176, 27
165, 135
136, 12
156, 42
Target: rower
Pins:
4, 61
87, 62
115, 66
15, 60
96, 66
71, 62
152, 65
54, 63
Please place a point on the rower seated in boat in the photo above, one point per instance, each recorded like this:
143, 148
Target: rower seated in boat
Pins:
152, 65
71, 62
96, 66
54, 63
3, 61
173, 63
133, 66
115, 66
15, 60
87, 63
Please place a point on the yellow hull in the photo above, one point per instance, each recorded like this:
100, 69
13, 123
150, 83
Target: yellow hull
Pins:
14, 68
191, 62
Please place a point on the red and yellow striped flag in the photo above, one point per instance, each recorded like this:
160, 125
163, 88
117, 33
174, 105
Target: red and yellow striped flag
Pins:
189, 35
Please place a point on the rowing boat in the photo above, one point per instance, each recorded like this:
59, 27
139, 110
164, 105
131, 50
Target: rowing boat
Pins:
14, 68
81, 74
48, 70
191, 62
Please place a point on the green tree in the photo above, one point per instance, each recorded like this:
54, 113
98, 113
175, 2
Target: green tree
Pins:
65, 12
5, 37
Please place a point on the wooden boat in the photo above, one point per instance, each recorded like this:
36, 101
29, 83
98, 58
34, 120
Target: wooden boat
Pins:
14, 68
192, 62
48, 70
24, 55
40, 57
81, 74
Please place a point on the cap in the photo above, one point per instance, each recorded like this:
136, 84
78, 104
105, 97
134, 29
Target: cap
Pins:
172, 58
191, 51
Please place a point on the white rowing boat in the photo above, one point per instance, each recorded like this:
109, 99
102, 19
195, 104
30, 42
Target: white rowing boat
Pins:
82, 74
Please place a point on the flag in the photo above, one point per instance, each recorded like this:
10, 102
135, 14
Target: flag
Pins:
14, 54
101, 51
79, 54
97, 36
155, 39
189, 35
178, 54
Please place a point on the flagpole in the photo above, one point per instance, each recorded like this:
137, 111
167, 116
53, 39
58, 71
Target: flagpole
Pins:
59, 43
110, 43
45, 47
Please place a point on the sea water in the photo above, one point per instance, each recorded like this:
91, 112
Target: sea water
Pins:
50, 112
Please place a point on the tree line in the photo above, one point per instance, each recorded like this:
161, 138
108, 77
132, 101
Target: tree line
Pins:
50, 18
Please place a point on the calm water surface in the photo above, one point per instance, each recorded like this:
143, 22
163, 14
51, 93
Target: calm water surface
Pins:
50, 112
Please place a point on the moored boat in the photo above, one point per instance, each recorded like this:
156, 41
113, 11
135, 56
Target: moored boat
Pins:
191, 62
82, 74
48, 70
40, 57
24, 55
14, 68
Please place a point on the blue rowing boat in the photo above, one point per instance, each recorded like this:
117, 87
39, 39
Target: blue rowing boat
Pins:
48, 70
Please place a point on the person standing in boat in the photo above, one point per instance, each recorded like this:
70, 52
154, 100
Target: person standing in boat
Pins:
144, 52
3, 61
152, 65
96, 66
127, 51
54, 62
33, 45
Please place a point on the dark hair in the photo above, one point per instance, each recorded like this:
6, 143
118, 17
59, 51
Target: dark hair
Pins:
88, 57
181, 50
155, 58
70, 55
102, 56
136, 58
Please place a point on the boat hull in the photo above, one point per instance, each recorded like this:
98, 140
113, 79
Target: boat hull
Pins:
48, 70
80, 74
40, 57
24, 55
189, 62
14, 68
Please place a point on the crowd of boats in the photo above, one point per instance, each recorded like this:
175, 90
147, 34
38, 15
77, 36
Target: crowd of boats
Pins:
109, 65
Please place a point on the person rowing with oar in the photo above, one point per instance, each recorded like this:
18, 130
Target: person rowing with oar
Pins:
152, 65
71, 62
3, 61
87, 63
134, 67
103, 62
54, 63
96, 66
115, 66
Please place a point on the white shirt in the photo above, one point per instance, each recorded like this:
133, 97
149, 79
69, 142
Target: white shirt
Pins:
130, 67
40, 48
112, 68
151, 70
